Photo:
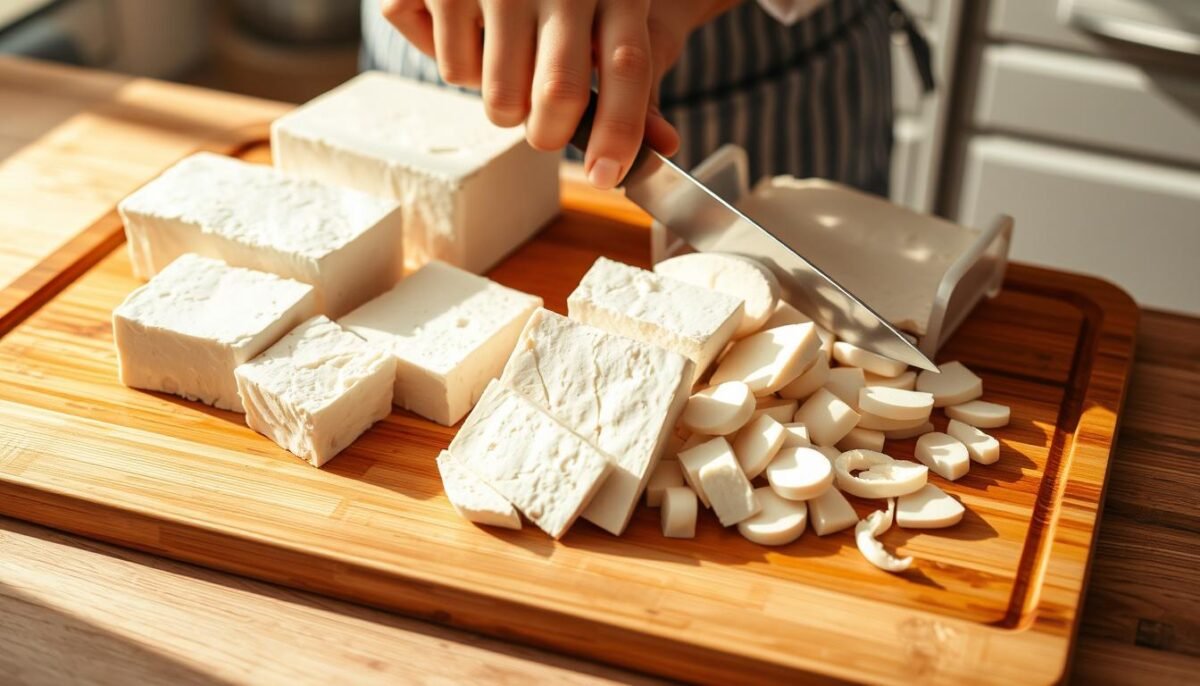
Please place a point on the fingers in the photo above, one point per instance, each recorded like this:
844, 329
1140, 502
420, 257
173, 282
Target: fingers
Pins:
624, 63
660, 133
562, 75
508, 52
412, 20
458, 40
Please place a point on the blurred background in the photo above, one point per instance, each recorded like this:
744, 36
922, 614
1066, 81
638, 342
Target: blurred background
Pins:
1081, 118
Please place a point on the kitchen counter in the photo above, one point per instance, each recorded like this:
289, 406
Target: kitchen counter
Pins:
74, 142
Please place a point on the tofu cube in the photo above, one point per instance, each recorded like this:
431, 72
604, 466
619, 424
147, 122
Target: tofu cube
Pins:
347, 244
472, 498
316, 390
451, 333
186, 330
472, 191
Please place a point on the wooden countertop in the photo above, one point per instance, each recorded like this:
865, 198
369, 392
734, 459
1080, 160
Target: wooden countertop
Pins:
74, 142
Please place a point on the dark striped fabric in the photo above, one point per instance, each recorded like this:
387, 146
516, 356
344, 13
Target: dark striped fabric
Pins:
811, 99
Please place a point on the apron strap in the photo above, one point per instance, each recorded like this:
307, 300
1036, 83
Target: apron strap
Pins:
919, 47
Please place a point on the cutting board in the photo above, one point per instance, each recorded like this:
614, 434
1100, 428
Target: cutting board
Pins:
996, 598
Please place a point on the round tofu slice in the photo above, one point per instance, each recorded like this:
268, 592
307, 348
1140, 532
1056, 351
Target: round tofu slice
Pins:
905, 434
800, 473
981, 447
816, 376
826, 417
878, 476
854, 356
862, 438
678, 512
757, 443
874, 422
734, 275
895, 403
906, 381
719, 410
770, 359
928, 508
846, 383
953, 386
779, 522
944, 454
980, 413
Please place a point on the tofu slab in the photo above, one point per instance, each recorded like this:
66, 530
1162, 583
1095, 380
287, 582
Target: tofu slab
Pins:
186, 330
654, 309
540, 466
472, 498
472, 191
343, 242
451, 333
316, 390
622, 395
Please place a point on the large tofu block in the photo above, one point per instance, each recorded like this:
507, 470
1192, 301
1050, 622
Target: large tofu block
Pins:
543, 468
621, 394
451, 332
186, 330
347, 244
472, 191
658, 310
316, 390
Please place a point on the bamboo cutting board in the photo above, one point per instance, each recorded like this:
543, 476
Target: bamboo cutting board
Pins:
993, 599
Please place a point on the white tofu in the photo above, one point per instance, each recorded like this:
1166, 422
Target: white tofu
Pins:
451, 333
472, 191
714, 473
736, 275
826, 417
316, 390
472, 498
622, 395
540, 466
928, 508
830, 512
667, 474
679, 511
186, 330
343, 242
658, 310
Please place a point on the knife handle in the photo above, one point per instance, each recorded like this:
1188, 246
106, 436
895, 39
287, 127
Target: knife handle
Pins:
583, 132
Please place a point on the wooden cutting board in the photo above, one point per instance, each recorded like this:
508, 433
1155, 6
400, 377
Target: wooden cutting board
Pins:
993, 599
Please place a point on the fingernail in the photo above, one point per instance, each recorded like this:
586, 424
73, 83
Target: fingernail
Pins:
605, 173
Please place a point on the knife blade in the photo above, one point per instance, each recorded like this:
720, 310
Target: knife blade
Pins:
709, 223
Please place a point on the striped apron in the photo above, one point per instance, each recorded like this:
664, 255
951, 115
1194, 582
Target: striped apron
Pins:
813, 99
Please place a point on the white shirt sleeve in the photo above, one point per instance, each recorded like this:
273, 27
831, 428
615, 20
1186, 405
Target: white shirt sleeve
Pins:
790, 11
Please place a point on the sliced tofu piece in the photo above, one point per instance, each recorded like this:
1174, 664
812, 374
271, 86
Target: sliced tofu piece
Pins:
830, 452
954, 385
316, 390
877, 423
862, 438
695, 457
906, 381
635, 303
757, 443
846, 383
830, 512
780, 409
679, 512
980, 413
786, 314
779, 522
346, 244
667, 474
853, 356
719, 410
795, 435
472, 498
769, 359
540, 466
712, 470
692, 441
186, 330
826, 417
816, 376
799, 473
905, 434
471, 190
879, 476
944, 454
622, 395
895, 403
735, 275
982, 448
928, 508
451, 333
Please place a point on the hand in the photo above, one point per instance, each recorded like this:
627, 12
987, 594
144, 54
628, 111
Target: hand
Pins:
533, 62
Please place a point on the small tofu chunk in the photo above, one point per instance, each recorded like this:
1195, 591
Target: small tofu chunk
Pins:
905, 434
638, 304
816, 376
980, 414
795, 435
928, 508
895, 403
846, 383
780, 409
728, 490
827, 418
906, 381
954, 384
719, 410
343, 242
186, 330
667, 474
862, 438
876, 423
316, 390
800, 473
779, 522
854, 356
547, 471
472, 498
830, 512
451, 333
472, 191
982, 448
757, 443
738, 276
679, 512
786, 314
770, 359
944, 454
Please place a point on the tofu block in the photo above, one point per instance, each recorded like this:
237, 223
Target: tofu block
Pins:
451, 333
472, 498
736, 275
622, 395
694, 322
679, 513
343, 242
693, 458
540, 466
186, 330
316, 390
728, 490
472, 191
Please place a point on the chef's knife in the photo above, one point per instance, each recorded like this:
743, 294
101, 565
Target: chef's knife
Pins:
708, 223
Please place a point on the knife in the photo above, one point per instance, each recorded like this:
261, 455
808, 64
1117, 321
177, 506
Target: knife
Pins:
710, 224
